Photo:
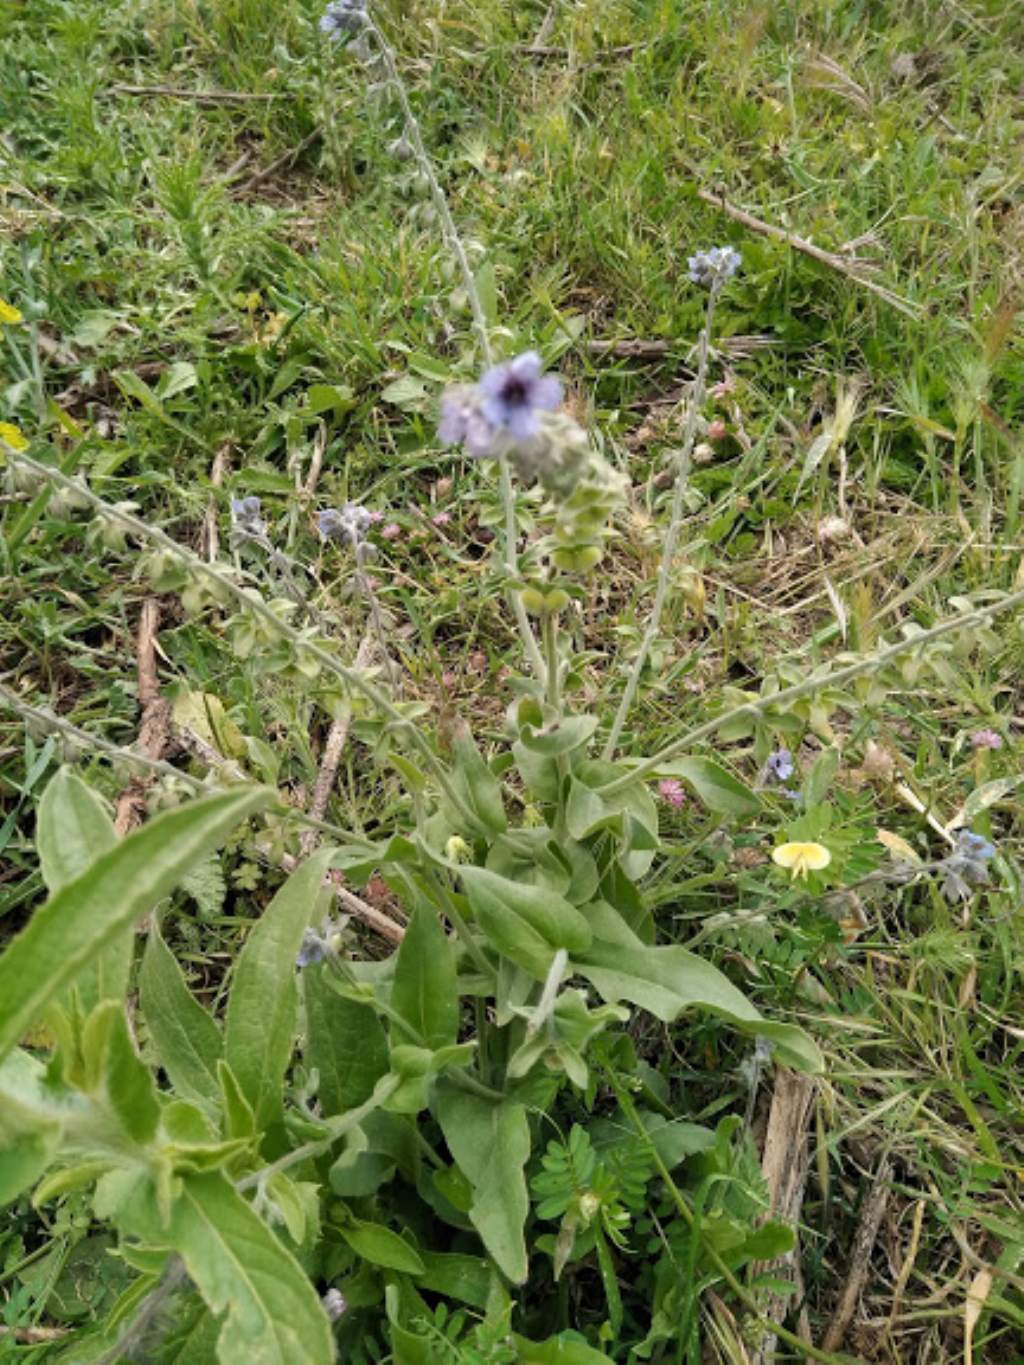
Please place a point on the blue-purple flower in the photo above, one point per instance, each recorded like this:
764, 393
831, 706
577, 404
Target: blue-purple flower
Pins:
246, 517
351, 523
463, 423
967, 865
314, 949
342, 17
515, 393
712, 268
779, 766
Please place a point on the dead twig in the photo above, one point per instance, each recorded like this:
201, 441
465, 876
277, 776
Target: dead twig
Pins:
851, 270
210, 548
281, 163
155, 724
860, 1255
177, 92
34, 1336
784, 1162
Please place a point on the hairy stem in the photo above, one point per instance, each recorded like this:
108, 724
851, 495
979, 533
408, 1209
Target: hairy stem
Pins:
975, 616
457, 247
675, 526
353, 680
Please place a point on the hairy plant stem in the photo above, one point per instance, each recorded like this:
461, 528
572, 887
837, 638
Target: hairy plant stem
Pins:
975, 616
353, 680
455, 244
175, 1277
674, 528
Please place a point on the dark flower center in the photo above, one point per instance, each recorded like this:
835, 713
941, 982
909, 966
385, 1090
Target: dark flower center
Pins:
516, 392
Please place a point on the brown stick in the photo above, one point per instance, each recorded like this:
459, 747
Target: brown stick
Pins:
211, 535
32, 1336
816, 253
330, 759
199, 96
155, 724
280, 163
784, 1163
860, 1255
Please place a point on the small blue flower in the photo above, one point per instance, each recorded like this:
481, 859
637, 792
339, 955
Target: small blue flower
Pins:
314, 949
779, 766
351, 523
463, 423
966, 866
514, 394
341, 17
245, 516
712, 268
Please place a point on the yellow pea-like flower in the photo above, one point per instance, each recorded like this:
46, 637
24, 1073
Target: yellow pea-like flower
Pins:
9, 314
799, 858
12, 436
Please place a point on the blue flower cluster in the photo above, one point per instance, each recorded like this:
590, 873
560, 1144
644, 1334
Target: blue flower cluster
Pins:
246, 517
712, 268
343, 17
778, 769
349, 524
508, 401
967, 866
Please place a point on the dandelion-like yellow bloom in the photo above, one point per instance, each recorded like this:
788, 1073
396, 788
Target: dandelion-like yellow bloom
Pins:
801, 858
12, 436
9, 314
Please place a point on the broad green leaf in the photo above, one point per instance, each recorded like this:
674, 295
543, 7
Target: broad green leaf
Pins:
259, 1024
272, 1315
345, 1042
562, 737
527, 923
125, 1078
456, 1276
380, 1246
490, 1140
425, 993
819, 779
87, 914
668, 980
717, 788
187, 1040
476, 784
585, 811
73, 828
238, 1119
565, 1349
29, 1135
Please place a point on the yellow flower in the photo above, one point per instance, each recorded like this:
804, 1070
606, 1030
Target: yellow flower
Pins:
8, 314
11, 436
801, 858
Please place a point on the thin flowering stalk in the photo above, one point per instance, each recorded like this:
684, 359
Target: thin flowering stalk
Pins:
753, 709
353, 680
455, 244
674, 529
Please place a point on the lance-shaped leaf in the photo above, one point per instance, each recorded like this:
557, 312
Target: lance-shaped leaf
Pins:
345, 1042
490, 1140
425, 992
72, 829
666, 981
259, 1025
272, 1315
87, 914
526, 923
188, 1041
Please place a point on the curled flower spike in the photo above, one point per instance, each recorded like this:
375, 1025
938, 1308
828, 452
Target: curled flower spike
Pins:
986, 739
712, 268
342, 17
967, 865
670, 789
801, 858
351, 523
246, 518
514, 394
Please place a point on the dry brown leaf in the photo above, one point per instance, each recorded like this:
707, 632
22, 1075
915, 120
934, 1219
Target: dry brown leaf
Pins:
979, 1291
